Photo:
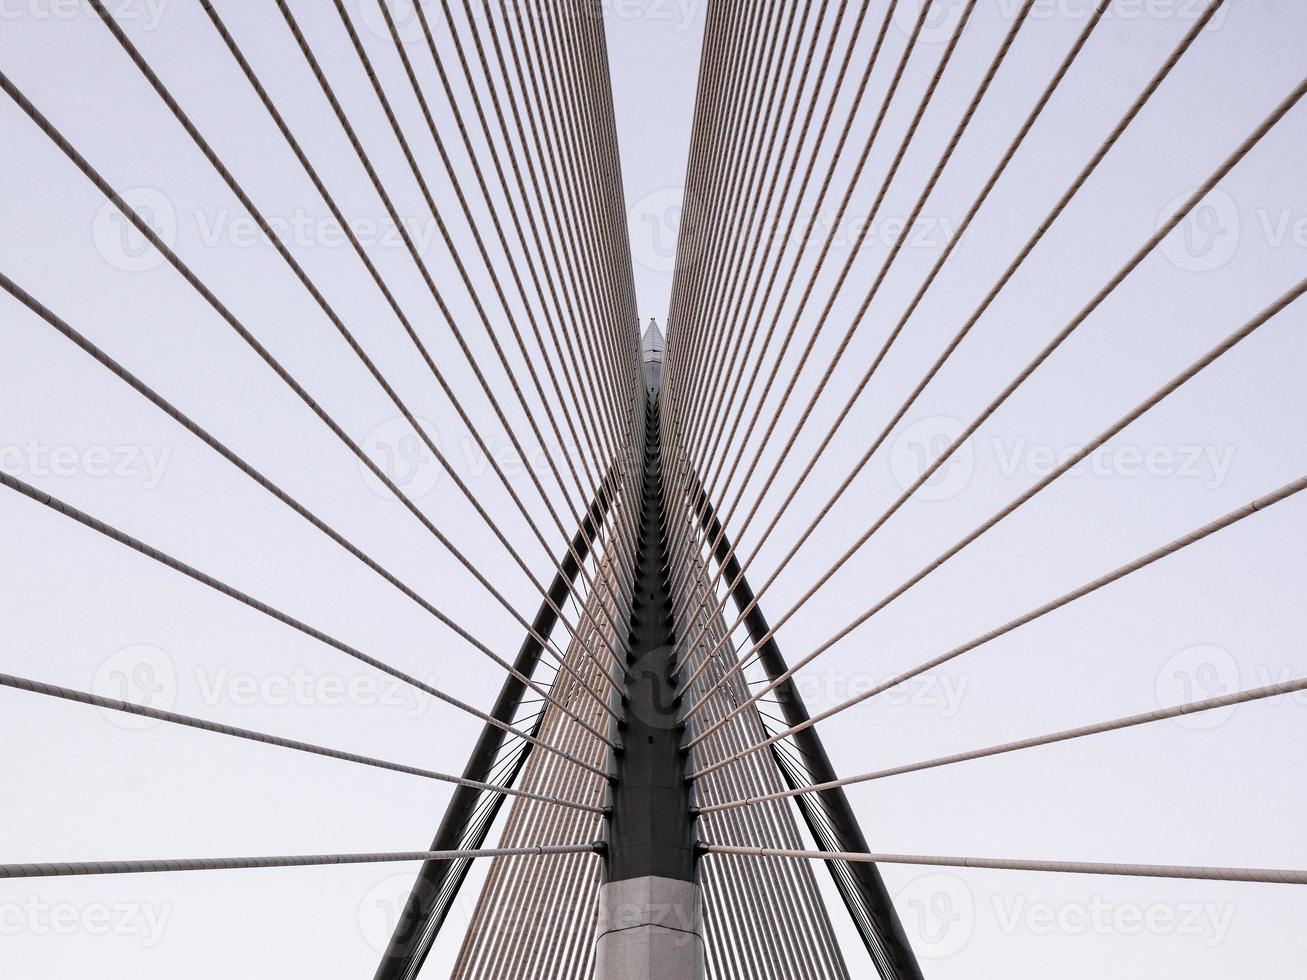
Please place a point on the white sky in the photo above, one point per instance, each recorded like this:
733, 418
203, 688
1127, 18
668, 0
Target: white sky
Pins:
82, 611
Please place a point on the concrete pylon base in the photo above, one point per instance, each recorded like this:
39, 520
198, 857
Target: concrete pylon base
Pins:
650, 929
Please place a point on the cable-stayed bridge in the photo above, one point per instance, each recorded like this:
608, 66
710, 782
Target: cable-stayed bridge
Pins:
646, 792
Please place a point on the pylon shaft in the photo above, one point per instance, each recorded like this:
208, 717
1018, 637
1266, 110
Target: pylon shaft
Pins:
650, 914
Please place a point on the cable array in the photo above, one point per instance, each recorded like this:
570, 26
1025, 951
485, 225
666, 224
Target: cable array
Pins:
673, 470
562, 297
760, 284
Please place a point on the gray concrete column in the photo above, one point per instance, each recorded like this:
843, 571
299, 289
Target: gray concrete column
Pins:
650, 929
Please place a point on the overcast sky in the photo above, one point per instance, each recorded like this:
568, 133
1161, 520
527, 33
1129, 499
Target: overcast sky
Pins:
1227, 614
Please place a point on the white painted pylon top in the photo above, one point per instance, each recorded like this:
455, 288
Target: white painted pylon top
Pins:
651, 355
652, 344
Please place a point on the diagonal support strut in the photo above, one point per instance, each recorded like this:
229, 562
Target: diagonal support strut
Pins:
862, 889
438, 882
